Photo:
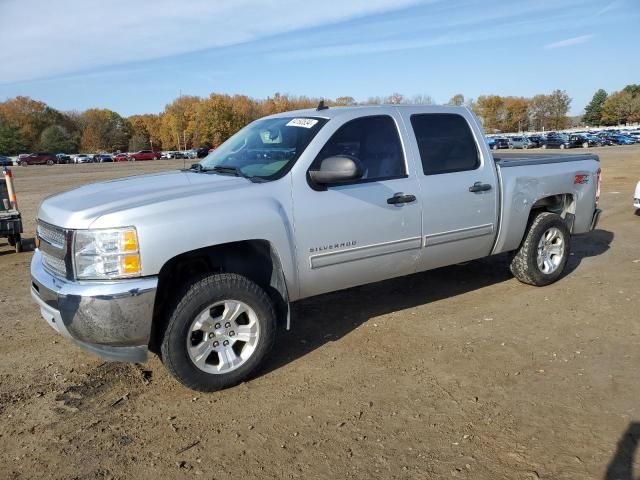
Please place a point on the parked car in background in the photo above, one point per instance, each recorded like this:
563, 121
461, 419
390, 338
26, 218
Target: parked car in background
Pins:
500, 143
490, 142
581, 140
620, 139
102, 158
144, 155
120, 157
40, 158
635, 135
202, 152
636, 198
522, 142
63, 158
193, 153
176, 154
5, 161
82, 158
556, 140
538, 140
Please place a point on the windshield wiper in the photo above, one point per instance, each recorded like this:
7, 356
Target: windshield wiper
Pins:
228, 169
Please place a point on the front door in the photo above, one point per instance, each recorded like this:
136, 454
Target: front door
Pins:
354, 234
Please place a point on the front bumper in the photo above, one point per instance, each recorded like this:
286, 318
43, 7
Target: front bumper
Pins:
111, 319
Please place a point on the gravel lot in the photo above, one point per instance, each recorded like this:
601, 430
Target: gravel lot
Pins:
460, 372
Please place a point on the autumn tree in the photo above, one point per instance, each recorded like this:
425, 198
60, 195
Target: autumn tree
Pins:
593, 111
457, 100
31, 117
103, 130
516, 114
490, 108
345, 101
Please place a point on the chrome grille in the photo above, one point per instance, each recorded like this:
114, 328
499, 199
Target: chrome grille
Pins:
55, 265
53, 246
54, 236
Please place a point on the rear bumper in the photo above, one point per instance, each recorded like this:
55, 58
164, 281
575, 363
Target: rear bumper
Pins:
110, 319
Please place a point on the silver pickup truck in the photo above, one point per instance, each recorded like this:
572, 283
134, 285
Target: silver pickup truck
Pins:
200, 265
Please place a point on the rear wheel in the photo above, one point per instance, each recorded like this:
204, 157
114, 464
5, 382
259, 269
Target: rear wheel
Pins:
23, 163
543, 254
585, 145
219, 333
562, 146
50, 162
544, 146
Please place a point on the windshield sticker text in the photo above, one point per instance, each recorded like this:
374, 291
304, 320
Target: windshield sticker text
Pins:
302, 122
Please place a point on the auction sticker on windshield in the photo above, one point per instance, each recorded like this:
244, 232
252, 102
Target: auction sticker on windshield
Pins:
302, 122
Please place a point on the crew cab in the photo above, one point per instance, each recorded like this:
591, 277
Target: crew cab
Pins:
145, 155
201, 265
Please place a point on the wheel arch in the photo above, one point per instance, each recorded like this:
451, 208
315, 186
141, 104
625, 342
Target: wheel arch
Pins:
256, 259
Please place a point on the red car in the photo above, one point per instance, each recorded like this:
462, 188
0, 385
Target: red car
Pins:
144, 155
120, 157
39, 158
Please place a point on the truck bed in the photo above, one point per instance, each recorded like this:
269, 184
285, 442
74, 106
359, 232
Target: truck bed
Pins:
539, 176
509, 159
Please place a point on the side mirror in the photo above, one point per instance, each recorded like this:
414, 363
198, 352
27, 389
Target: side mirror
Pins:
337, 169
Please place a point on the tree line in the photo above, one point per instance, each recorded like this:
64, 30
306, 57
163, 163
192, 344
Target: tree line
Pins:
28, 125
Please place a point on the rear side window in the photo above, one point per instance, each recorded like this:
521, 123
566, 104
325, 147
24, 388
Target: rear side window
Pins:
445, 142
372, 140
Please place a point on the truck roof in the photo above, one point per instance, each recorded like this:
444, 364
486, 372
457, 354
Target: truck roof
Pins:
365, 110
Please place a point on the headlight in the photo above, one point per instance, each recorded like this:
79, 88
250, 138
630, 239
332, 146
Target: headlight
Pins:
106, 254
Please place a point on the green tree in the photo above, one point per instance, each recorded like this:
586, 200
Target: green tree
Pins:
593, 111
11, 139
559, 103
56, 138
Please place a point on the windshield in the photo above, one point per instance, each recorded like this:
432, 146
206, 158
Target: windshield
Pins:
264, 149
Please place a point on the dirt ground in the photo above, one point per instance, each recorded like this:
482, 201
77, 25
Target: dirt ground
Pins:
460, 372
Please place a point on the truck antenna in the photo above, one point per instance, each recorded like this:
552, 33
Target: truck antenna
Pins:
321, 105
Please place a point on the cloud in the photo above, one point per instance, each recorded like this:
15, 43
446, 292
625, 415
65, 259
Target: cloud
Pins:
44, 38
569, 42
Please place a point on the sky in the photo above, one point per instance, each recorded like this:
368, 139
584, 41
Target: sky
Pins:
135, 56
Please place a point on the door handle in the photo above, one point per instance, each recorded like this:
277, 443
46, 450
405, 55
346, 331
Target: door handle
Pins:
399, 198
479, 187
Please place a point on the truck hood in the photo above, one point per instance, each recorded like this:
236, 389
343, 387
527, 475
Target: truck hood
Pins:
80, 207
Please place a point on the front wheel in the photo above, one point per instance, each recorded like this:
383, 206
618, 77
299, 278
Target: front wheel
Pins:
543, 254
219, 333
585, 145
544, 146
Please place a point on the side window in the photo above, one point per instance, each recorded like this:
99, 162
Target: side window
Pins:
372, 140
445, 142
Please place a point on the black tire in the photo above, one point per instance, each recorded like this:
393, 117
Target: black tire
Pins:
19, 248
11, 239
201, 294
562, 146
50, 162
524, 265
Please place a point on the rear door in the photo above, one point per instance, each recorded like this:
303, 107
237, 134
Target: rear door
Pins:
357, 233
459, 188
